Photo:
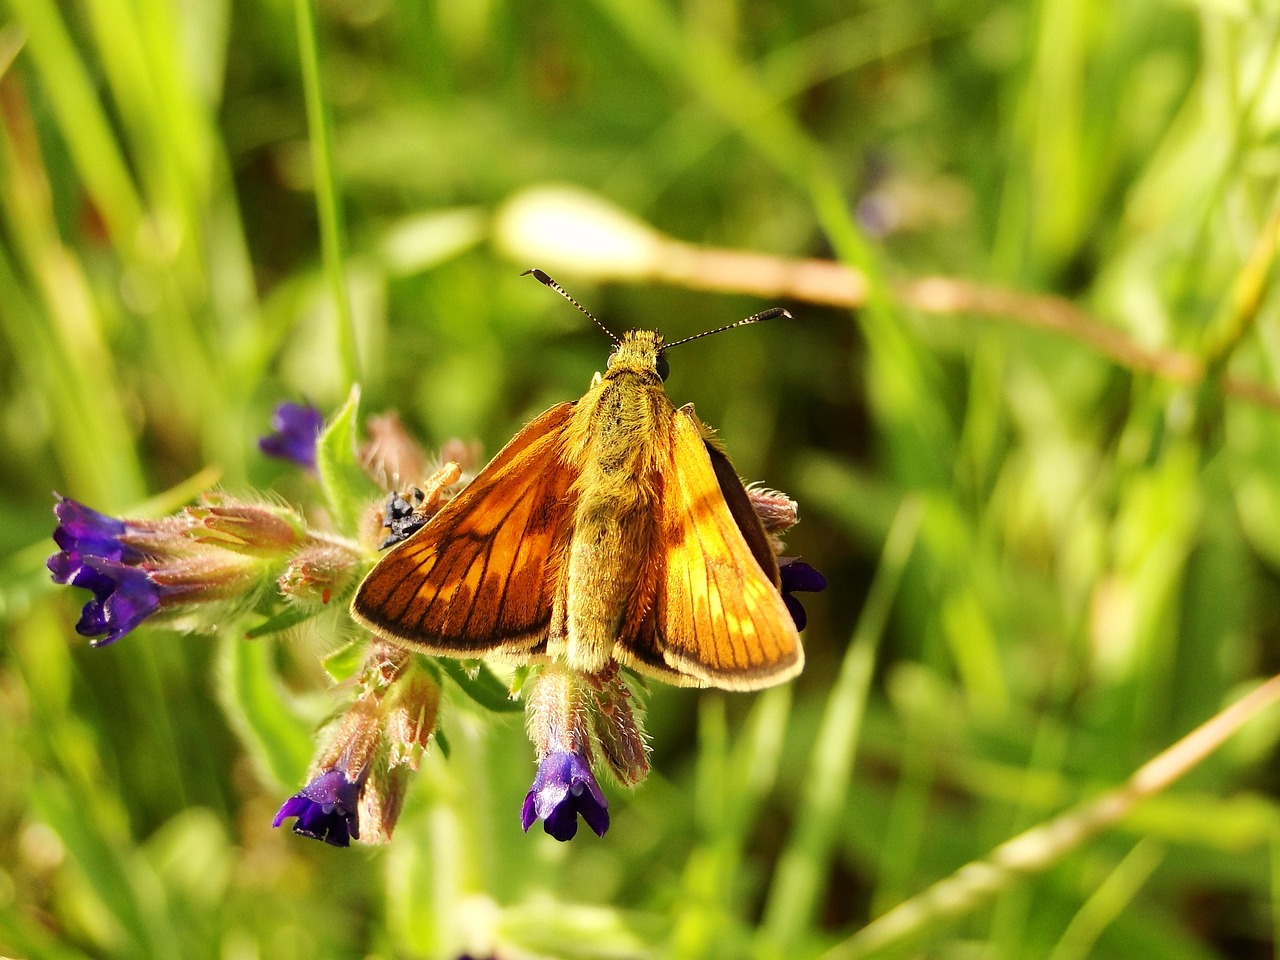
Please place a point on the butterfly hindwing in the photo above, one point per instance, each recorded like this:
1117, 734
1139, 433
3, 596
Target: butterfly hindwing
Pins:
744, 514
479, 577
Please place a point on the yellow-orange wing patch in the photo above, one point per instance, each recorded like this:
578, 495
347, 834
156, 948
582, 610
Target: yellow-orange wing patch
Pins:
480, 576
716, 616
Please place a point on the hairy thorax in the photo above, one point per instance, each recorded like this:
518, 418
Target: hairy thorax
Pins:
624, 422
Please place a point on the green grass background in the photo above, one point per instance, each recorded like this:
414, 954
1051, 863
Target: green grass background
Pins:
1053, 566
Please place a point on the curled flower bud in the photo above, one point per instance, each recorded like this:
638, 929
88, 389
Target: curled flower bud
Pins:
296, 427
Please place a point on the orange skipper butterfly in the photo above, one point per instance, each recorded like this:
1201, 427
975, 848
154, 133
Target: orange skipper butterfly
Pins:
613, 528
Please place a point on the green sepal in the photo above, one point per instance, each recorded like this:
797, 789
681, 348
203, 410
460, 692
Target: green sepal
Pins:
347, 488
520, 677
482, 687
345, 662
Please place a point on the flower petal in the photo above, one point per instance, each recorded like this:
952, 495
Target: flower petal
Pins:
85, 530
562, 822
123, 597
798, 575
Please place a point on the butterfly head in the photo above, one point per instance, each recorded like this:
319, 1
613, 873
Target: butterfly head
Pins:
639, 351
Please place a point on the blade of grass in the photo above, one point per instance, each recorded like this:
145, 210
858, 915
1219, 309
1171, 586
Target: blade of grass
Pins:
328, 202
904, 379
732, 781
1108, 901
1044, 845
83, 122
795, 892
93, 437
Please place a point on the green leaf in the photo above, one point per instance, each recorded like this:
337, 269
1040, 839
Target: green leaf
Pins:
290, 616
347, 488
482, 687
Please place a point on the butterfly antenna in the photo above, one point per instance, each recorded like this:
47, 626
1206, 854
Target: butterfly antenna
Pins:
760, 317
547, 281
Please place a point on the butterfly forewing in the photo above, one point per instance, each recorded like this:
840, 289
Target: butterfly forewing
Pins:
717, 616
480, 576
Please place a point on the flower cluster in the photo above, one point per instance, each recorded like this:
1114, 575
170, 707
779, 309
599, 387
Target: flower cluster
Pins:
359, 779
572, 717
220, 551
229, 551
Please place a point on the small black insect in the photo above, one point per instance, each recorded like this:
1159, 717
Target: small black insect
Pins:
401, 517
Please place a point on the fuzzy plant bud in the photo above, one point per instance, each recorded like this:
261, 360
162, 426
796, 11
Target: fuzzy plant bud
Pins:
558, 711
412, 710
616, 727
391, 455
778, 512
382, 800
468, 456
245, 527
318, 571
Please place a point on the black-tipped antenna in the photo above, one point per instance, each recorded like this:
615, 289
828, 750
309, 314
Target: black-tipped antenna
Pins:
763, 315
547, 281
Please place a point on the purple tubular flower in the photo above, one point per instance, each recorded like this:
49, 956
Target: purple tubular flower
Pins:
297, 426
94, 556
564, 788
326, 808
798, 575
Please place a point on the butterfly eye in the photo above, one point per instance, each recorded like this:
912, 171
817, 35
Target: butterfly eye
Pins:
662, 367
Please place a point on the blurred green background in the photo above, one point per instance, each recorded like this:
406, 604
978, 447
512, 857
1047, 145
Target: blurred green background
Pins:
1084, 560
